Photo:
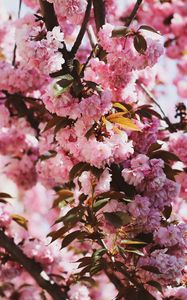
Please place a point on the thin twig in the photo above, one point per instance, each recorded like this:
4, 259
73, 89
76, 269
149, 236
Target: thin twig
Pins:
15, 46
123, 270
88, 59
152, 98
91, 35
32, 267
82, 30
133, 13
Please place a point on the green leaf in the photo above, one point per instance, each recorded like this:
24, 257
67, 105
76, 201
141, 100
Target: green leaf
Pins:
63, 194
85, 261
70, 238
148, 28
73, 216
51, 123
131, 242
90, 131
151, 269
167, 212
84, 271
148, 112
65, 81
145, 295
140, 44
64, 122
5, 195
58, 233
120, 31
100, 204
165, 155
134, 251
95, 269
154, 147
3, 201
98, 254
170, 172
145, 237
58, 123
112, 195
118, 219
78, 169
155, 284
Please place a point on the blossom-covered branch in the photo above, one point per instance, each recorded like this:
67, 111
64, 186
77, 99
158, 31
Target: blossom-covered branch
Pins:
72, 124
32, 267
82, 30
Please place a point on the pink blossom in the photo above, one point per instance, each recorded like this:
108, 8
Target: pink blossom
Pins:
54, 171
63, 105
4, 116
22, 172
38, 48
5, 218
171, 236
178, 144
78, 292
41, 253
121, 50
169, 266
139, 207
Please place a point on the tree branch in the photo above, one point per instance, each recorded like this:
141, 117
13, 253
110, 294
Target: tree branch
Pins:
152, 98
133, 13
50, 19
99, 13
32, 267
82, 30
48, 13
18, 103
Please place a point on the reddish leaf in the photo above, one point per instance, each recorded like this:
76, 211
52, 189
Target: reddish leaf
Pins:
140, 44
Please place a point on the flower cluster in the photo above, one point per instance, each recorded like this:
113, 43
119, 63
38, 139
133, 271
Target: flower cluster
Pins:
96, 175
37, 47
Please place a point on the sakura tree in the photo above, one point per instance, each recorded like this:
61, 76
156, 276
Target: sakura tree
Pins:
99, 168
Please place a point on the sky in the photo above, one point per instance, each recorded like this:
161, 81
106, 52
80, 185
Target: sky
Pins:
12, 4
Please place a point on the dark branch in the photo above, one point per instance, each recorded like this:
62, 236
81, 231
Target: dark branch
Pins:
50, 19
18, 103
133, 13
14, 55
32, 267
99, 13
82, 30
48, 13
